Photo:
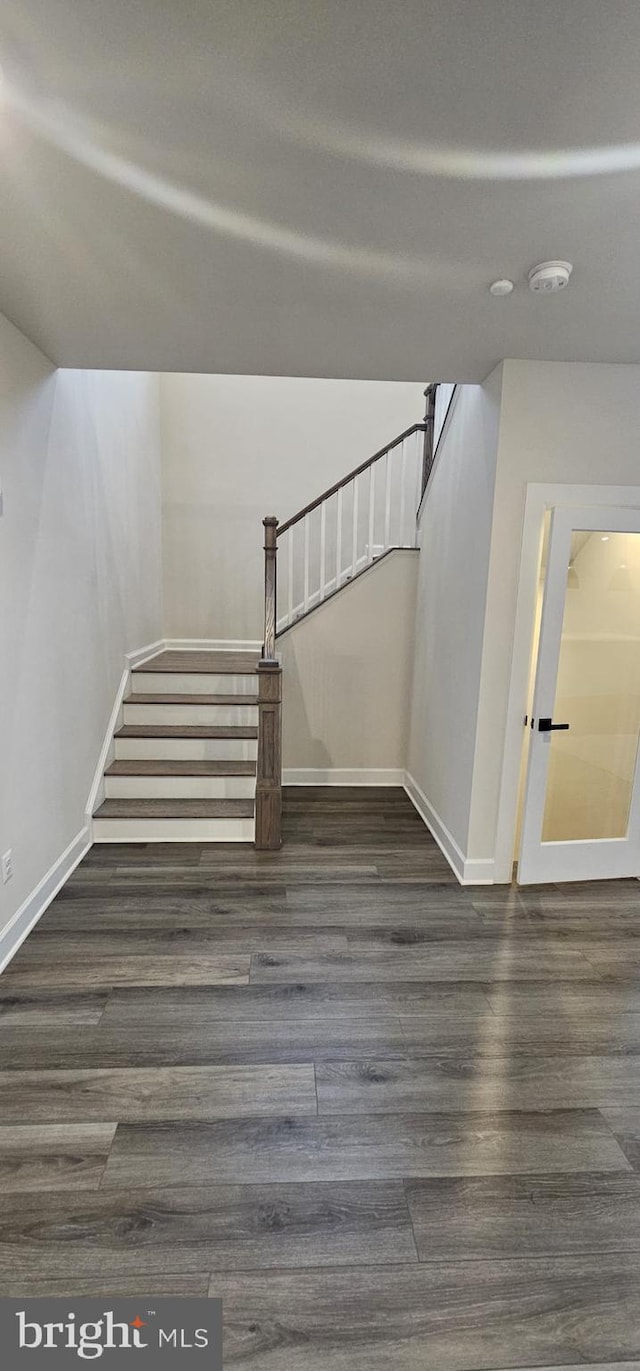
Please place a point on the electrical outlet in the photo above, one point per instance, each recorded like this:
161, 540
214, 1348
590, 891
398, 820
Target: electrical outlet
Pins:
7, 866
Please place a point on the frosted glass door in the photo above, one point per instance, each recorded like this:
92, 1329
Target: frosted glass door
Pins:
581, 811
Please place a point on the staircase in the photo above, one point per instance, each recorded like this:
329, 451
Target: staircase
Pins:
185, 754
198, 754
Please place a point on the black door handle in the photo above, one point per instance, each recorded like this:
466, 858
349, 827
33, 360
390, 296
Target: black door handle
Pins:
548, 726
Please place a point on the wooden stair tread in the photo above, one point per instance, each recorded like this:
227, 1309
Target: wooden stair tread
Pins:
186, 731
175, 809
167, 767
215, 663
139, 699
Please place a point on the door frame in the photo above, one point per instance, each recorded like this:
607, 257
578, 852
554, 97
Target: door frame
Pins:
540, 497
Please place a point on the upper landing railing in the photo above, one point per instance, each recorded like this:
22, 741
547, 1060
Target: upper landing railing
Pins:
369, 512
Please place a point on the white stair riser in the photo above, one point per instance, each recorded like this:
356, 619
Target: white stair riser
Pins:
192, 683
221, 716
187, 749
180, 787
173, 830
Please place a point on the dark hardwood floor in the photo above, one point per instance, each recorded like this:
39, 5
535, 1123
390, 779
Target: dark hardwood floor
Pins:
394, 1123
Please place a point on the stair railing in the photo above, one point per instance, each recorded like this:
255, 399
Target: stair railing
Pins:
312, 555
350, 526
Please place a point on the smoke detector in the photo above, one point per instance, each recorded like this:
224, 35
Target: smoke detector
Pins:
549, 277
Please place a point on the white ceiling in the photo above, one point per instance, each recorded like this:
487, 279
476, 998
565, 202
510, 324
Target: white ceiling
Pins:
320, 187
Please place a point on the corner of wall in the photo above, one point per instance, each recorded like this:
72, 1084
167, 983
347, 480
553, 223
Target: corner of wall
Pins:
31, 910
469, 871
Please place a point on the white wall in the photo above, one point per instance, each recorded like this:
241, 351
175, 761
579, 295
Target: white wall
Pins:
236, 448
80, 584
455, 538
347, 678
569, 423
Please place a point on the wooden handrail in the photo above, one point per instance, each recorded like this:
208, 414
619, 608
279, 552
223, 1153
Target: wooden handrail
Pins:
326, 495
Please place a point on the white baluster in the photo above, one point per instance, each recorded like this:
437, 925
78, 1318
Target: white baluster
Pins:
402, 540
289, 537
338, 537
418, 454
354, 539
323, 547
372, 509
387, 499
306, 563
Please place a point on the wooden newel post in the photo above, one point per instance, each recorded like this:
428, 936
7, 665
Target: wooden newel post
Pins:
270, 573
269, 765
430, 425
269, 768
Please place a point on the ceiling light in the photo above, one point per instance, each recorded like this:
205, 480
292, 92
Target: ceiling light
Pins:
501, 287
549, 277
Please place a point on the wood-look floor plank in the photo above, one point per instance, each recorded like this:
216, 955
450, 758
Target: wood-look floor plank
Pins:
144, 1232
53, 1156
428, 866
196, 1038
461, 1316
437, 961
240, 940
156, 1094
105, 856
196, 1284
192, 899
511, 1217
566, 925
53, 1007
617, 958
227, 1044
200, 1006
578, 1035
192, 966
599, 902
565, 999
374, 1147
235, 870
396, 935
510, 1083
376, 902
165, 910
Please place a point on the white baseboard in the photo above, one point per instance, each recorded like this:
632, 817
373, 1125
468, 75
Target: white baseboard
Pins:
26, 917
143, 654
480, 871
470, 871
96, 794
342, 776
212, 645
